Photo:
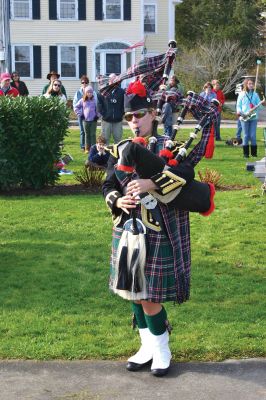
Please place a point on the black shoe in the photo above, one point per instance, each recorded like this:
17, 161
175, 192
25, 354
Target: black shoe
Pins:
253, 151
245, 151
159, 372
133, 367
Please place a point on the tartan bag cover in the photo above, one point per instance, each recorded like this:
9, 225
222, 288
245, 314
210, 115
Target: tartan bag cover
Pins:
151, 67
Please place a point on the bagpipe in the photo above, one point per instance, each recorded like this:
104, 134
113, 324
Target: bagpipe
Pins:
191, 195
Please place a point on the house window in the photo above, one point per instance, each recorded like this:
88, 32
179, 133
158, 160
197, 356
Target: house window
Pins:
110, 57
22, 60
21, 9
149, 18
68, 61
113, 9
67, 9
113, 63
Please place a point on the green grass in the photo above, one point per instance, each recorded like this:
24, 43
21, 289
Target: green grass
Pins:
54, 271
227, 160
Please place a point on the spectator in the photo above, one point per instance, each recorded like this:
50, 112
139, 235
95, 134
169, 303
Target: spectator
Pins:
207, 93
86, 107
55, 90
78, 95
5, 88
111, 108
220, 97
51, 77
239, 126
98, 156
18, 84
247, 100
167, 117
174, 84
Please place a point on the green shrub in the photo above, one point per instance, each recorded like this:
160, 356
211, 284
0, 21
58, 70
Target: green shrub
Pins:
31, 130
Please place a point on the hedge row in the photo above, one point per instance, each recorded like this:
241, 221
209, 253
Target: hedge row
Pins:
31, 131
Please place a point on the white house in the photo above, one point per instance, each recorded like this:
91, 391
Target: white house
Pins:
76, 37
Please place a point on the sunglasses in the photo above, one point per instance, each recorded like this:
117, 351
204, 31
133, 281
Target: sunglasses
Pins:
139, 114
84, 83
56, 84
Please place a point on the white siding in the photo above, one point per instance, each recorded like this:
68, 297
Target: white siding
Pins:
89, 33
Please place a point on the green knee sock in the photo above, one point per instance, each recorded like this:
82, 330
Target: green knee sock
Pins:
156, 323
139, 315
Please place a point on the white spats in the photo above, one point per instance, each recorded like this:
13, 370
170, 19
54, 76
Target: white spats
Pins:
161, 353
145, 352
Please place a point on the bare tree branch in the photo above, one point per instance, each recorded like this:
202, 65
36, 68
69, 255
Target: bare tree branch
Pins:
224, 60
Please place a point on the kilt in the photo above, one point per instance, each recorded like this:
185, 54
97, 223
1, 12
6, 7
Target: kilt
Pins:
167, 268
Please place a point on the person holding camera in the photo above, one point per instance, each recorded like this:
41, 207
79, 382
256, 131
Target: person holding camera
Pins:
111, 108
86, 107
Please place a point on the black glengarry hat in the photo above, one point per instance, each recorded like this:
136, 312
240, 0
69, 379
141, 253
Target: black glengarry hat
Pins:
136, 97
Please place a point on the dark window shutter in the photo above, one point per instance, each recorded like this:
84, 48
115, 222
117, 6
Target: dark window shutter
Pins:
53, 58
82, 9
36, 11
127, 10
82, 60
52, 9
98, 9
37, 62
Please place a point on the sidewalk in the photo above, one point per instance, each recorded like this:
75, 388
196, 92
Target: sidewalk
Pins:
107, 380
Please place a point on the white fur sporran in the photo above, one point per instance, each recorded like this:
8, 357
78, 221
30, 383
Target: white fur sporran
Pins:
129, 281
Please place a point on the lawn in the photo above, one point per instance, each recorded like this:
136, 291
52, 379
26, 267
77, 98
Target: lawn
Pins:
54, 267
228, 161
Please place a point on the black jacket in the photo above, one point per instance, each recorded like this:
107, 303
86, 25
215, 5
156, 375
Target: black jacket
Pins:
22, 88
111, 107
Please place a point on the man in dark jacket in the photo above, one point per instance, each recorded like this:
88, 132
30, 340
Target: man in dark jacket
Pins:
111, 108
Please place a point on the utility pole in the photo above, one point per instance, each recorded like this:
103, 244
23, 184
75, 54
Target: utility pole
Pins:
4, 36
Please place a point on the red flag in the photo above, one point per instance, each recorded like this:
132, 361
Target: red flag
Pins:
138, 44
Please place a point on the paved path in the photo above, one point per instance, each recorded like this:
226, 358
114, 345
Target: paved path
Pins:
107, 380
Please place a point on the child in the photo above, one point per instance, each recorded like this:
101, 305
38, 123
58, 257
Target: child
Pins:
87, 107
97, 155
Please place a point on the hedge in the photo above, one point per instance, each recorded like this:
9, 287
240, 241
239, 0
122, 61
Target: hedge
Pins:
31, 131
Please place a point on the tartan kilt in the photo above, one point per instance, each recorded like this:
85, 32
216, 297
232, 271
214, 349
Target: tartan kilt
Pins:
160, 269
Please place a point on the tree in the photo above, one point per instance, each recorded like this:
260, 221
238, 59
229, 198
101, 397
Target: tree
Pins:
223, 60
204, 20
